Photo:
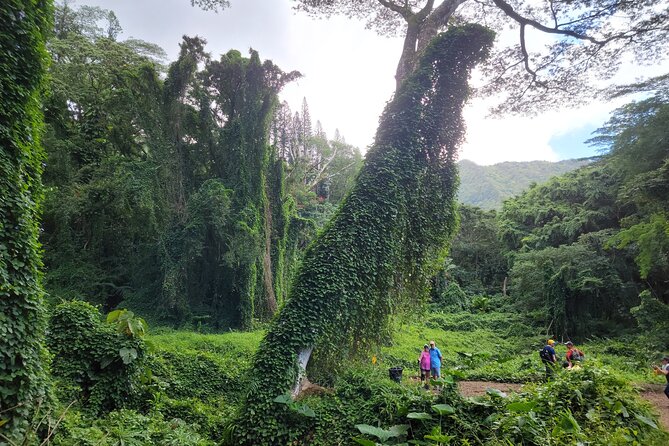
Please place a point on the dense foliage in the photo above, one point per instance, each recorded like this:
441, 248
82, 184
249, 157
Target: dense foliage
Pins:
22, 64
188, 194
581, 247
188, 199
101, 363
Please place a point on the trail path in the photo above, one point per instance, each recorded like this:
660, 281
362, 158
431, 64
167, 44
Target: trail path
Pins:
653, 393
478, 388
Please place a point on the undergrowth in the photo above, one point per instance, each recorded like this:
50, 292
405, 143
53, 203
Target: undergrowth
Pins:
198, 381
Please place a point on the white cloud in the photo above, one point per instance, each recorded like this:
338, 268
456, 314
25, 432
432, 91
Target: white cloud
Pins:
516, 138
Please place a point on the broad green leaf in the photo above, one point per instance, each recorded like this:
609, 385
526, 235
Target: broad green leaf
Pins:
567, 424
620, 408
495, 392
443, 409
521, 406
128, 355
283, 399
305, 411
377, 432
419, 416
114, 315
364, 441
645, 420
399, 429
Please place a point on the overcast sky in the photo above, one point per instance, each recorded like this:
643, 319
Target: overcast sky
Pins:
348, 73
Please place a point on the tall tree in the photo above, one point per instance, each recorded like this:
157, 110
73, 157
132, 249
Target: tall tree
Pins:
587, 39
389, 230
22, 64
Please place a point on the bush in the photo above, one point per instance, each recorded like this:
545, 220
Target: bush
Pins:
126, 428
99, 364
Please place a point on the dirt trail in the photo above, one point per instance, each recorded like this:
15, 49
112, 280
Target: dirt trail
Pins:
653, 393
478, 388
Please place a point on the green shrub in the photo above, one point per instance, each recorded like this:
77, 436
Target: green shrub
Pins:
126, 428
99, 362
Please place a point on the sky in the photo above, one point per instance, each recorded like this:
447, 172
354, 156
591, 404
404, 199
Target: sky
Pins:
348, 74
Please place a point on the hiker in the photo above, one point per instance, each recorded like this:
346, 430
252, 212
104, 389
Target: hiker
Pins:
424, 363
548, 357
663, 369
435, 361
573, 354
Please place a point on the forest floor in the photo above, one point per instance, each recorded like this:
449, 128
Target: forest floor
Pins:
653, 393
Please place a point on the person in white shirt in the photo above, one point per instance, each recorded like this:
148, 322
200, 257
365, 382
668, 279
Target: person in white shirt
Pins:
664, 370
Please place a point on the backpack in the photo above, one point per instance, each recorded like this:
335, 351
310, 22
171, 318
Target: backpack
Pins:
545, 355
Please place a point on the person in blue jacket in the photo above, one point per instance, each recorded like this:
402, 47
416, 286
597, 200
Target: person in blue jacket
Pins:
549, 358
435, 361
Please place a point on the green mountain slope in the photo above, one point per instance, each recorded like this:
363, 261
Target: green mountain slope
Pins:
488, 186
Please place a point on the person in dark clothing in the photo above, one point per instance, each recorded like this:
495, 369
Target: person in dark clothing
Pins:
663, 369
549, 358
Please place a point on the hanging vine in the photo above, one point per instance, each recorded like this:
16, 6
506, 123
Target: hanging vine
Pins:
396, 221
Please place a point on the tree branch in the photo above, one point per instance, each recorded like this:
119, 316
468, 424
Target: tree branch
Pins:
435, 20
404, 11
509, 11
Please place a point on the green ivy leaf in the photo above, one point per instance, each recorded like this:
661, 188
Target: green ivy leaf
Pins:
128, 355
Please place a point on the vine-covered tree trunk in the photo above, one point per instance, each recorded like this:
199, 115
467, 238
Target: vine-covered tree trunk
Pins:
23, 24
391, 228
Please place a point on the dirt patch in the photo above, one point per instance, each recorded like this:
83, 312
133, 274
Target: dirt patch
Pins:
654, 394
479, 388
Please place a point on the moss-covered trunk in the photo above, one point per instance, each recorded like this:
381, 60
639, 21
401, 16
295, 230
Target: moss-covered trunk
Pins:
23, 25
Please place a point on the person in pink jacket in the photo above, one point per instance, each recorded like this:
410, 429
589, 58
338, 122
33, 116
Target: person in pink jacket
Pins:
424, 361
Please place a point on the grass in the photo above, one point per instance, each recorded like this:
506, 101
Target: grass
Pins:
503, 347
478, 346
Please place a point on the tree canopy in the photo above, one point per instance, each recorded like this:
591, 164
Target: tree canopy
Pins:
583, 41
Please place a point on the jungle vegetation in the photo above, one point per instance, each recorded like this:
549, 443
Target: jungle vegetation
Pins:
184, 194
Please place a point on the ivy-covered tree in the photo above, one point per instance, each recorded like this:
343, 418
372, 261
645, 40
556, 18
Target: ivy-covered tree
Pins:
22, 65
104, 143
390, 230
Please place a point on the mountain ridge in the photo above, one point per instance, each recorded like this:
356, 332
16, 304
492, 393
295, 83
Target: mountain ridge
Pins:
488, 186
